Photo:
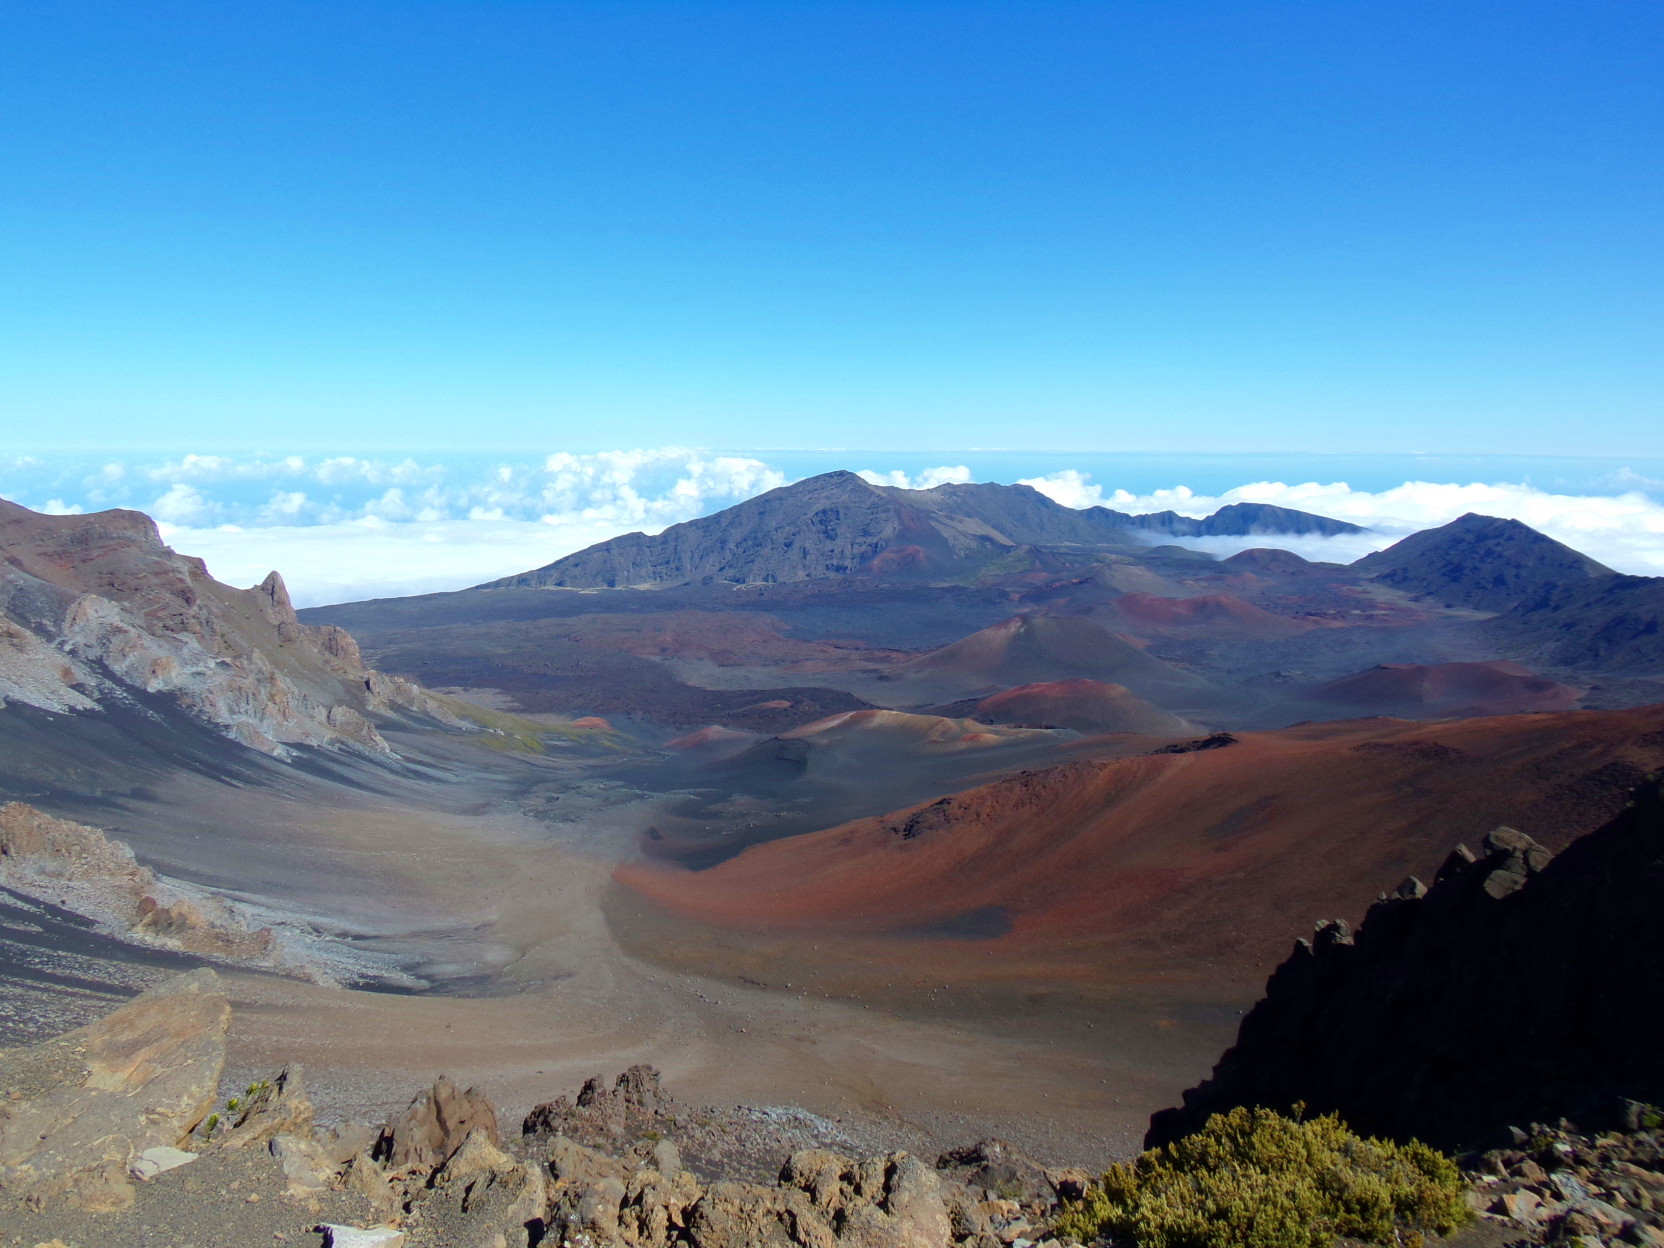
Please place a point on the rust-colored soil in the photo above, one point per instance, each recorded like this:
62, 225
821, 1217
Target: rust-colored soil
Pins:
1456, 689
1197, 867
1210, 615
1090, 706
1040, 648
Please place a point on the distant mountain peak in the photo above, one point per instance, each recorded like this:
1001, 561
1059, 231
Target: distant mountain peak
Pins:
1487, 563
1236, 520
839, 524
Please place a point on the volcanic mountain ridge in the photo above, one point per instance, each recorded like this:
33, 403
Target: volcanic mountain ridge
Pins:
1481, 562
839, 524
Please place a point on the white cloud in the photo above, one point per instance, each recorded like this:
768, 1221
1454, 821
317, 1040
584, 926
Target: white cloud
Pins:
1624, 531
182, 504
407, 538
376, 558
947, 474
286, 503
641, 489
195, 467
1071, 487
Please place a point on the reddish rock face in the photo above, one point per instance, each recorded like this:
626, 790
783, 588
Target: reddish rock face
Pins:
1208, 615
1089, 706
1454, 689
90, 605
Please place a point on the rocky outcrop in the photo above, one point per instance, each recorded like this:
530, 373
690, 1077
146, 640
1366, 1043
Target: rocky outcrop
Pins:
437, 1124
78, 867
103, 1119
95, 611
821, 1200
479, 1198
268, 1110
631, 1185
635, 1116
77, 1111
1556, 1186
839, 524
1520, 987
635, 1104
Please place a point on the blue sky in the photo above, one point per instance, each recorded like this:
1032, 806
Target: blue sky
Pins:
1164, 226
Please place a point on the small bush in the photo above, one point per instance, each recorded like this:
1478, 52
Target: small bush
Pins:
1253, 1178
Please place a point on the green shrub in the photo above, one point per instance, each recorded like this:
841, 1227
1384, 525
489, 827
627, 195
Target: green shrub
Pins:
1253, 1178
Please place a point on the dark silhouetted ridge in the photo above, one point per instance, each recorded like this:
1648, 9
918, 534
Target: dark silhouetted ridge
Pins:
1521, 988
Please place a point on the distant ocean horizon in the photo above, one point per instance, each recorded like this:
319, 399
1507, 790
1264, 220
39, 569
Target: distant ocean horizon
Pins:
344, 526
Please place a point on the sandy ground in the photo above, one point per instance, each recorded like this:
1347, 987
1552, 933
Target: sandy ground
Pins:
541, 980
547, 971
573, 1004
481, 887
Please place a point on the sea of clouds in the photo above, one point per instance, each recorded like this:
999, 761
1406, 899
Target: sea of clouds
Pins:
342, 528
1624, 530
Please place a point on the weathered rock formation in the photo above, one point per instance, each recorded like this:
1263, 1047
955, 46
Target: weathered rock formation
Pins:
821, 1199
438, 1123
1518, 988
80, 868
77, 1111
101, 1120
95, 611
1563, 1187
108, 1134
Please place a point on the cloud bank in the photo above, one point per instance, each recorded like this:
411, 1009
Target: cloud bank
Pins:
1624, 531
341, 528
